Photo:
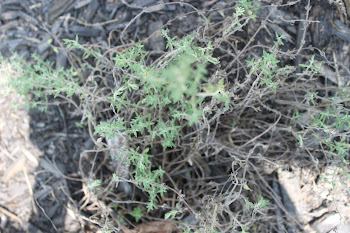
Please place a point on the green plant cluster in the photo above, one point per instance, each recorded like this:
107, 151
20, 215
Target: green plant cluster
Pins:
41, 80
153, 103
173, 85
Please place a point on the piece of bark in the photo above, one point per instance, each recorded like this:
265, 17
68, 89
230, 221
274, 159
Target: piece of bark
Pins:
9, 15
61, 59
81, 3
44, 45
341, 30
58, 8
143, 3
85, 31
90, 11
291, 194
156, 41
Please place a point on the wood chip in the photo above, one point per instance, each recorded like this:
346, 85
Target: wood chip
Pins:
11, 215
14, 169
85, 31
58, 8
30, 156
81, 3
90, 11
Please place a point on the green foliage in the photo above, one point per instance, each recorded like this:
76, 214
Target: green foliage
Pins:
236, 24
171, 214
137, 213
312, 66
94, 184
261, 204
244, 229
146, 178
41, 80
74, 44
280, 39
174, 84
250, 7
334, 121
107, 231
121, 219
157, 103
296, 114
110, 129
330, 122
266, 68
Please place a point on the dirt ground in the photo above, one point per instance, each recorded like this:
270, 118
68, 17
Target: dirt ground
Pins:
18, 160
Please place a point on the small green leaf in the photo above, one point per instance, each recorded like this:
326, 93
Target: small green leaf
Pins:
300, 139
134, 86
94, 184
49, 41
171, 214
137, 213
107, 231
115, 178
121, 219
248, 203
262, 202
246, 187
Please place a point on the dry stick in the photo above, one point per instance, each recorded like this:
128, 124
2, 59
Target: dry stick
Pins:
100, 165
336, 69
72, 102
30, 190
110, 50
172, 181
67, 17
131, 5
206, 4
247, 99
183, 199
77, 213
274, 195
91, 133
44, 26
263, 24
302, 42
11, 215
153, 8
205, 125
276, 111
47, 217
